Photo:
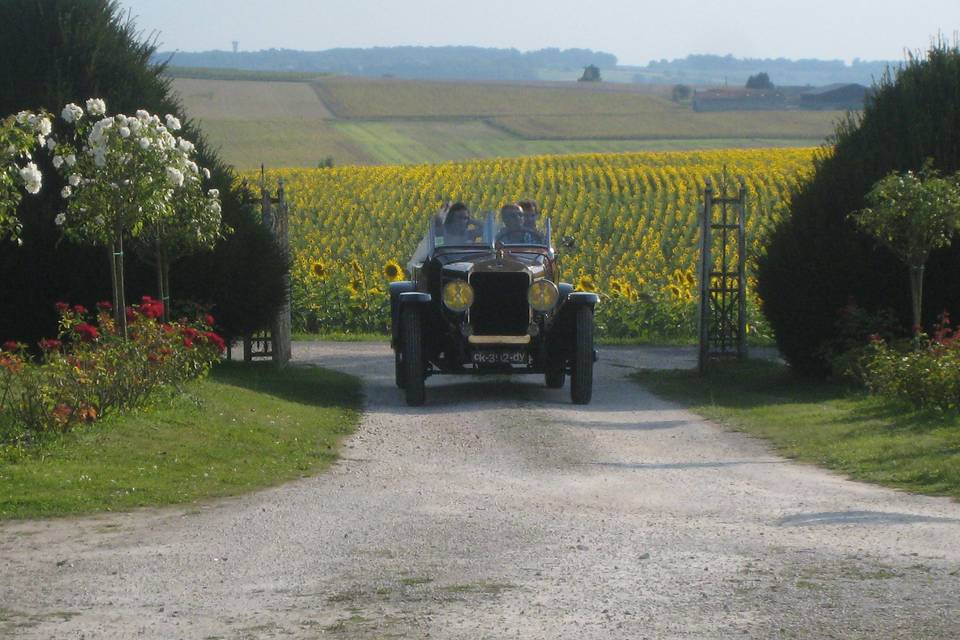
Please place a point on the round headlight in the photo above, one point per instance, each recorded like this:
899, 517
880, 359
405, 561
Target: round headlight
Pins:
457, 295
543, 295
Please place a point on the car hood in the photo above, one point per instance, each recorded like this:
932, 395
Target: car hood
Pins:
492, 264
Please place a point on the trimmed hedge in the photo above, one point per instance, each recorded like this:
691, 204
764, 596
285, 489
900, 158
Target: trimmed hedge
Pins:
817, 263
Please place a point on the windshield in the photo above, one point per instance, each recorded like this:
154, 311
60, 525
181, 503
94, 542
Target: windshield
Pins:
472, 231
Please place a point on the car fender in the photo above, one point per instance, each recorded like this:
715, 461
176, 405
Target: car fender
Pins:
396, 290
560, 335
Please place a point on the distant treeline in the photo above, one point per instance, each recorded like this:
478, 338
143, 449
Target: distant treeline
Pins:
454, 63
720, 70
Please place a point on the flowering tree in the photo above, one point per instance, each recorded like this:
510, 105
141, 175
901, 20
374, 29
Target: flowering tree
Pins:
19, 135
128, 177
912, 214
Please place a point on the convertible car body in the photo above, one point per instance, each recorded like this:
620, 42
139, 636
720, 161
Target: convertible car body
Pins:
492, 303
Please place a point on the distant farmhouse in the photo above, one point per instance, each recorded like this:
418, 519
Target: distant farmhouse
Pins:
838, 97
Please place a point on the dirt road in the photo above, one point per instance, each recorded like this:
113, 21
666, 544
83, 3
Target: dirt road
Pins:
501, 510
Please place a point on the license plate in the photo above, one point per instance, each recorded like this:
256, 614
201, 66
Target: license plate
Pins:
499, 357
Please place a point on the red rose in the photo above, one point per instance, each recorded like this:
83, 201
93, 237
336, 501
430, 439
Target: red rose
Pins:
167, 328
87, 332
79, 308
50, 344
103, 305
217, 340
61, 307
188, 343
11, 345
131, 314
209, 320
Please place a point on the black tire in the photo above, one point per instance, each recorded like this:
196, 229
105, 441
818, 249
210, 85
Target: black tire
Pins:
398, 370
581, 376
554, 375
412, 356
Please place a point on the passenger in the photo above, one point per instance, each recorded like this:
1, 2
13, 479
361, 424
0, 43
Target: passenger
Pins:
530, 214
458, 228
514, 231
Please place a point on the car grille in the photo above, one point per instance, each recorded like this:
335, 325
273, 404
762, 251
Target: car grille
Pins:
500, 306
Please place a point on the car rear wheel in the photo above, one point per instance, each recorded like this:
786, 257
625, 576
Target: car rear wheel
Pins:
554, 374
398, 368
581, 376
412, 356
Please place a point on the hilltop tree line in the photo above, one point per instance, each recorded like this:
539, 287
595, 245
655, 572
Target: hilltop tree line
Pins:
406, 62
713, 70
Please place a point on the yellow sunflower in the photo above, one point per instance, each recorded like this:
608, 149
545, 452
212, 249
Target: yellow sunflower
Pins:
319, 269
586, 283
392, 271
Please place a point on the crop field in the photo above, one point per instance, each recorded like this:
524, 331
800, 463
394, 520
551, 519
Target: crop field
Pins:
633, 215
298, 120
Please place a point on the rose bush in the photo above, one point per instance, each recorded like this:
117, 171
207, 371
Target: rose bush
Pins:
90, 371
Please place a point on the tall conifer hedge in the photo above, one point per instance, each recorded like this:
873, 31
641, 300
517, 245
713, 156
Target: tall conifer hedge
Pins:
817, 262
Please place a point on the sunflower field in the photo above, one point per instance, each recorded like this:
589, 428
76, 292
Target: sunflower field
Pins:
634, 218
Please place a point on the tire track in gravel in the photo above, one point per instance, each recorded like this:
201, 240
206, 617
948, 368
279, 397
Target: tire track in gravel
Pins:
500, 509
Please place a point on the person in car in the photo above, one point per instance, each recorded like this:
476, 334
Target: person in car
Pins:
530, 214
514, 231
452, 225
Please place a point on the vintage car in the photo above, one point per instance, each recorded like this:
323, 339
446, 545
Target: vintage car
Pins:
491, 303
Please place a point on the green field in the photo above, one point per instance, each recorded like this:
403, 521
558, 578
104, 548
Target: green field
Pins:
299, 120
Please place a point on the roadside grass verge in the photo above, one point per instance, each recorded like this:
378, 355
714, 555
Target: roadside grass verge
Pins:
861, 436
242, 428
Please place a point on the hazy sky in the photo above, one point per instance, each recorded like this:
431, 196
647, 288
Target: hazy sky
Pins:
635, 32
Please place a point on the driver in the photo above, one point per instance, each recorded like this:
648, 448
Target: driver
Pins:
514, 231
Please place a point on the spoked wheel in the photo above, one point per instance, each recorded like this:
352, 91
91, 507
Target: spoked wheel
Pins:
398, 371
581, 376
554, 374
412, 356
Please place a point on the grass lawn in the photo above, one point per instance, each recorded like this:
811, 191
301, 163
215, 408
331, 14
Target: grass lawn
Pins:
241, 429
861, 436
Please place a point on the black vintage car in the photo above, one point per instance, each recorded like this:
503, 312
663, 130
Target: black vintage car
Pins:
489, 302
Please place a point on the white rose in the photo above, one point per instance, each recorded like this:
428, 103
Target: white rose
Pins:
143, 114
185, 145
60, 219
74, 180
144, 143
206, 173
66, 192
124, 132
57, 162
214, 193
96, 106
51, 144
100, 158
71, 113
134, 124
71, 160
44, 127
32, 179
175, 176
172, 123
192, 166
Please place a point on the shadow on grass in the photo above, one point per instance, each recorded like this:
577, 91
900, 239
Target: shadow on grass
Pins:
309, 385
740, 385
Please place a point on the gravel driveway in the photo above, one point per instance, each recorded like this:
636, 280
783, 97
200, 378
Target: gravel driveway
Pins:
501, 510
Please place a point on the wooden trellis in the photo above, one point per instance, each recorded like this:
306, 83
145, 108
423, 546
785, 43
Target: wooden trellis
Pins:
722, 315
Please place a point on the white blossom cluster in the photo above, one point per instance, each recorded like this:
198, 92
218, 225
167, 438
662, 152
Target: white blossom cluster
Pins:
39, 127
135, 162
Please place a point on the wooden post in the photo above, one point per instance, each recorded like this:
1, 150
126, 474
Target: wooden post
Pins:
742, 272
282, 348
706, 265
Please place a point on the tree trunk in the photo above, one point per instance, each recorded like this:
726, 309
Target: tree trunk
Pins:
916, 294
161, 291
166, 285
116, 275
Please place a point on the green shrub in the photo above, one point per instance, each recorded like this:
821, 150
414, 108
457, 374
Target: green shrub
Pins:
924, 371
817, 260
90, 371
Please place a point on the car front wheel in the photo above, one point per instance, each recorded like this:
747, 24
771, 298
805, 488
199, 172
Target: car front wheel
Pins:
581, 375
412, 356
